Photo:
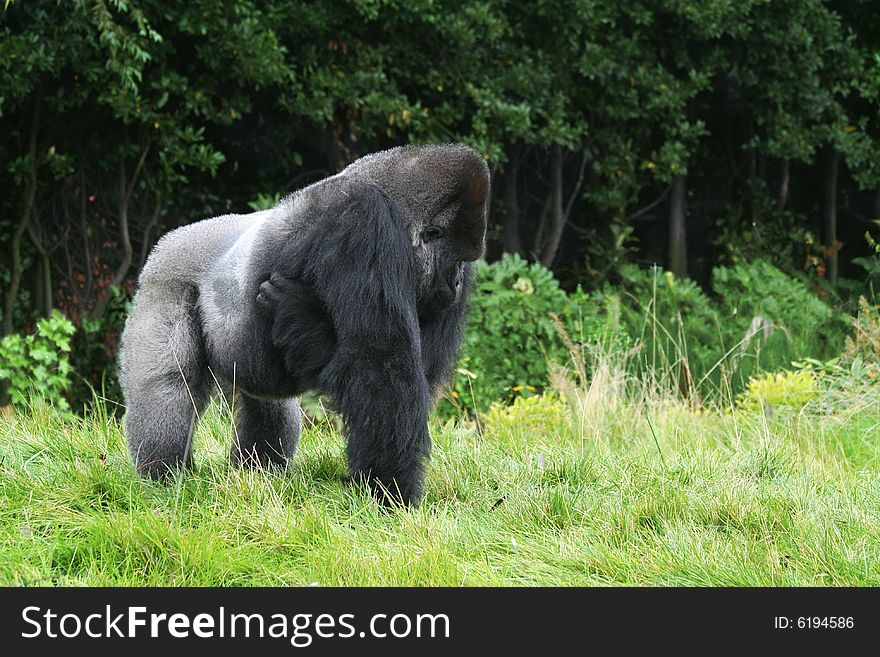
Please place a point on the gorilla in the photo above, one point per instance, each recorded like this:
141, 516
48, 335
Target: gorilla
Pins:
355, 286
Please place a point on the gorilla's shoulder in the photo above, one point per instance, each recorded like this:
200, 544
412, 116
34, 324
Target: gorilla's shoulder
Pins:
184, 254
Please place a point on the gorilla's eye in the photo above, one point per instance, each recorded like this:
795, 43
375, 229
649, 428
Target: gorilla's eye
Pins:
432, 233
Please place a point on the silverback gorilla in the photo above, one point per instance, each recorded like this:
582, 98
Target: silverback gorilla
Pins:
354, 286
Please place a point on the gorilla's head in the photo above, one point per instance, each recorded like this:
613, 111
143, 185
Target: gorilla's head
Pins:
442, 192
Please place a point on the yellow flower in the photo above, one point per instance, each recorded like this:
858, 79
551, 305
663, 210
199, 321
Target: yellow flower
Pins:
524, 286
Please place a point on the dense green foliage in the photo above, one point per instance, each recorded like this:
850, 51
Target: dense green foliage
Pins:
511, 332
757, 318
690, 135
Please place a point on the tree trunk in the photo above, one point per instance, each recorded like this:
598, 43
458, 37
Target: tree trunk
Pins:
46, 262
877, 204
44, 280
510, 226
126, 188
124, 197
557, 216
782, 197
146, 243
829, 212
26, 213
677, 228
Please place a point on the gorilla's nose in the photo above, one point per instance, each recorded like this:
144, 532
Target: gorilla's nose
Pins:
446, 293
450, 288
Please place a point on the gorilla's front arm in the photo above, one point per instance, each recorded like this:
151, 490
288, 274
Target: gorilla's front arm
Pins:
355, 271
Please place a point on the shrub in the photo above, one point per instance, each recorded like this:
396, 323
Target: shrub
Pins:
38, 365
526, 418
672, 319
94, 349
871, 265
791, 390
855, 374
512, 336
774, 317
761, 319
865, 340
510, 332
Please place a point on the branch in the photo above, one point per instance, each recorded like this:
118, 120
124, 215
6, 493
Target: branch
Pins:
583, 231
557, 223
137, 172
145, 244
542, 226
123, 218
580, 181
653, 204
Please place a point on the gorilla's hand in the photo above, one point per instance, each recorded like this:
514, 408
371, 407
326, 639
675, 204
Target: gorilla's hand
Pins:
271, 293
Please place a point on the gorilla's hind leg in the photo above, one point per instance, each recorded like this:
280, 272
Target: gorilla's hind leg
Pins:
159, 425
162, 375
267, 431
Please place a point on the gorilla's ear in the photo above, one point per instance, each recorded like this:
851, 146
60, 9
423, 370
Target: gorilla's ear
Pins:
469, 227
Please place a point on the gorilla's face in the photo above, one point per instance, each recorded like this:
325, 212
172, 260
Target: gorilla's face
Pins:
442, 192
447, 224
448, 238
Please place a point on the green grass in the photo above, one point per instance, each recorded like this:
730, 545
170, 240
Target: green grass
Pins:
543, 496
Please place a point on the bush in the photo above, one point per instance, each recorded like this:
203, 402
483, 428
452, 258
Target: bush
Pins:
855, 374
39, 365
770, 391
526, 418
871, 265
761, 319
510, 332
512, 336
865, 340
672, 319
772, 318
